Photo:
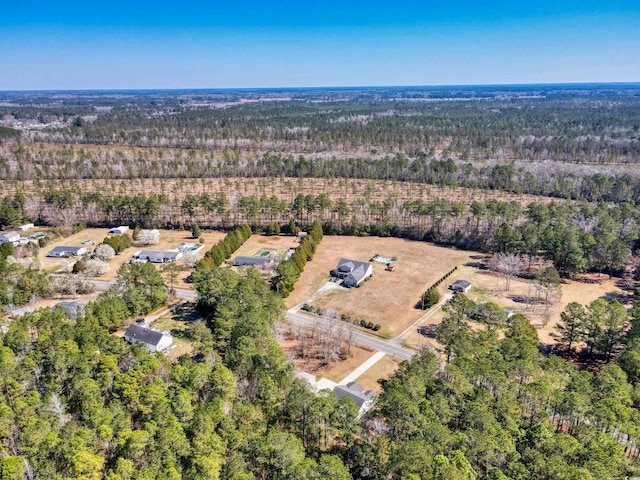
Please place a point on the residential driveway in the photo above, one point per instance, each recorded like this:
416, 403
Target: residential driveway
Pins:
325, 288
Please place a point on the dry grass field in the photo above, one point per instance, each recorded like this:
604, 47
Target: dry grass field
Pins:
169, 239
255, 243
487, 286
381, 370
387, 298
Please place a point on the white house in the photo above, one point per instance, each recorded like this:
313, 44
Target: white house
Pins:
155, 340
26, 226
11, 237
119, 230
158, 256
64, 251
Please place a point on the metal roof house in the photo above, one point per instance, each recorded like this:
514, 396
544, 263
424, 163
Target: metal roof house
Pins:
11, 237
73, 309
364, 400
155, 340
64, 251
353, 272
26, 226
460, 286
243, 261
119, 230
158, 256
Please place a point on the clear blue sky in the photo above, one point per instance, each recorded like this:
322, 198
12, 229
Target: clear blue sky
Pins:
67, 44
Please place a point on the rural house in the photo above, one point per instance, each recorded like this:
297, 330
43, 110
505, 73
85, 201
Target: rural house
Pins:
158, 256
243, 261
460, 286
64, 251
353, 272
155, 340
11, 237
27, 226
364, 400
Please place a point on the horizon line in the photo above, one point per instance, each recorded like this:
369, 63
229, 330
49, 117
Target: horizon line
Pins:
324, 87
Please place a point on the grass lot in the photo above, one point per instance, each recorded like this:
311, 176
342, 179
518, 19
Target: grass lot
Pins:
258, 242
489, 287
169, 239
179, 323
381, 370
388, 298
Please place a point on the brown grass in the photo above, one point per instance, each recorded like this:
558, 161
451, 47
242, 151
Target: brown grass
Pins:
169, 239
387, 298
487, 286
383, 369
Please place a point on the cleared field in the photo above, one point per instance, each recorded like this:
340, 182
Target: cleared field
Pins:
387, 298
381, 370
169, 239
487, 286
256, 243
179, 324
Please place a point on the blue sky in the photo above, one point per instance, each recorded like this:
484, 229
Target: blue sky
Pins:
196, 44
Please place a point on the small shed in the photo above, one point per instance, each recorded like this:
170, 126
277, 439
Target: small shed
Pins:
155, 340
460, 286
119, 230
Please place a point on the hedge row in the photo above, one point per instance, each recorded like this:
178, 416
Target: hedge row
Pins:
431, 296
119, 243
345, 318
222, 250
288, 272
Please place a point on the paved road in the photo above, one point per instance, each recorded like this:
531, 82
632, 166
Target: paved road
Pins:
305, 321
360, 338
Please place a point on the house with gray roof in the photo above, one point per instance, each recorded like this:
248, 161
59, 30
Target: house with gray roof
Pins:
155, 340
245, 261
353, 272
65, 251
158, 256
460, 286
363, 399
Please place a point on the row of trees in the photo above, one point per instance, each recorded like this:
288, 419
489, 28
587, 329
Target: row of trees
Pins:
222, 250
288, 272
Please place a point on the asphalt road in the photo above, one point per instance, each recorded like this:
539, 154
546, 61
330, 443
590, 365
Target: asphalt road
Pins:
308, 321
359, 338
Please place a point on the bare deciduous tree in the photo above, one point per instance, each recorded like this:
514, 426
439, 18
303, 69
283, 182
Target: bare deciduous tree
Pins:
506, 264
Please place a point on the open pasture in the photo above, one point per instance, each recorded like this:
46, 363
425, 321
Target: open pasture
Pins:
387, 298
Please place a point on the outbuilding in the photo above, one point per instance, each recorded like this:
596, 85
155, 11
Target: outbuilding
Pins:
26, 226
460, 286
155, 340
119, 230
